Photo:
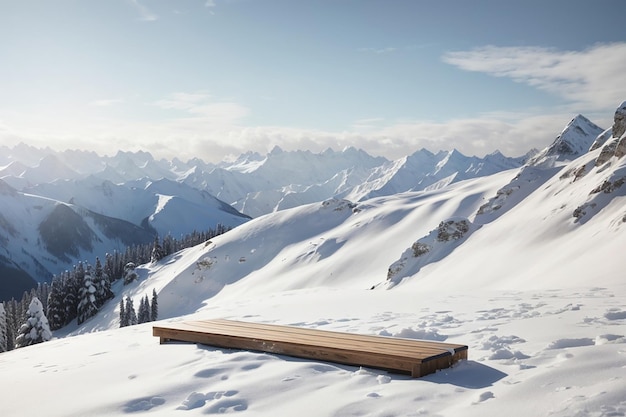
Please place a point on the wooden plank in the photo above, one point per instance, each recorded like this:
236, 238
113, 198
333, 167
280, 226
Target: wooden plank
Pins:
328, 338
396, 354
348, 340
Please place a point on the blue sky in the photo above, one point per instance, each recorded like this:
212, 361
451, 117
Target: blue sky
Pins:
217, 78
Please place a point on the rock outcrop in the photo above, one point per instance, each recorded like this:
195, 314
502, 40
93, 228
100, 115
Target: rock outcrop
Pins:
616, 145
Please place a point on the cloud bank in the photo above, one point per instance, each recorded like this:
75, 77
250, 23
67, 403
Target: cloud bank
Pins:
592, 79
197, 124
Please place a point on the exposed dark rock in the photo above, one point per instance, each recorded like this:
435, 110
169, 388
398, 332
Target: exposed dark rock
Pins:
452, 230
619, 121
420, 249
617, 146
607, 152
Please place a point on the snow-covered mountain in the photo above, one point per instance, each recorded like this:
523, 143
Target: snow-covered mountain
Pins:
522, 265
575, 139
176, 198
152, 194
257, 185
41, 236
48, 227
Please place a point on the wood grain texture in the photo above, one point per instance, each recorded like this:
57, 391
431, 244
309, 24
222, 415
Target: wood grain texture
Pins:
415, 357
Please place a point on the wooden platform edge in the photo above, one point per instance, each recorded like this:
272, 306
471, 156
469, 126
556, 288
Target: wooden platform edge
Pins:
392, 363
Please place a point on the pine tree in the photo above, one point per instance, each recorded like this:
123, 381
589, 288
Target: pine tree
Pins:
3, 329
42, 291
123, 315
87, 299
144, 310
130, 312
157, 251
56, 309
113, 266
154, 307
35, 329
102, 284
22, 307
168, 245
70, 299
12, 326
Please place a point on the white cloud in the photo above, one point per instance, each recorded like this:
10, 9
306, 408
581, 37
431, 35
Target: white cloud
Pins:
202, 110
478, 136
214, 132
591, 80
196, 124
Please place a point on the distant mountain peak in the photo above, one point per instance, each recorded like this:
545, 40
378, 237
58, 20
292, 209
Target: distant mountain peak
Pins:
574, 141
276, 150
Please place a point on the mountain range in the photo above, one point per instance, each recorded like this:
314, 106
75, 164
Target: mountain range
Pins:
59, 208
523, 266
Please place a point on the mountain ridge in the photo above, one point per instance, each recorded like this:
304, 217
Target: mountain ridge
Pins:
172, 197
491, 229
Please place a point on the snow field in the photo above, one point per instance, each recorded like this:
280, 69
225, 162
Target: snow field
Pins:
536, 293
564, 349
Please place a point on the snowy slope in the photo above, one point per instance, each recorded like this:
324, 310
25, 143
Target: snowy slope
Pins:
533, 283
540, 245
48, 228
161, 203
176, 198
41, 237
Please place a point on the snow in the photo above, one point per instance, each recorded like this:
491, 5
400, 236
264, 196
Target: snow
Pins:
537, 296
128, 371
536, 292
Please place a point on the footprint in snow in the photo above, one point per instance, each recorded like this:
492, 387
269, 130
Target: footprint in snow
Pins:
198, 399
143, 404
226, 406
484, 396
571, 343
615, 314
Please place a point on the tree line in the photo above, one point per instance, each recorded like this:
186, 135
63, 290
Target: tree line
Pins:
80, 293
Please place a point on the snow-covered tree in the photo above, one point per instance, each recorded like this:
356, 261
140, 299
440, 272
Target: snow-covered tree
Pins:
10, 309
130, 312
154, 306
3, 329
56, 309
143, 315
168, 245
123, 314
36, 328
102, 284
113, 266
87, 299
129, 273
70, 298
157, 251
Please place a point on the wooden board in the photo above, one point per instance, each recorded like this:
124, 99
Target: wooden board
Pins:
415, 357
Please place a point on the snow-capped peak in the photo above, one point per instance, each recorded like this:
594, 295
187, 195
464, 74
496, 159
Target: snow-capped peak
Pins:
574, 141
